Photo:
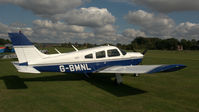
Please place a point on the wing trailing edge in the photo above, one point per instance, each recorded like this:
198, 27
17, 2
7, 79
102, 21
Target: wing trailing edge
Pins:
141, 69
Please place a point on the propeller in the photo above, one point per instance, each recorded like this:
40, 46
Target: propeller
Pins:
145, 51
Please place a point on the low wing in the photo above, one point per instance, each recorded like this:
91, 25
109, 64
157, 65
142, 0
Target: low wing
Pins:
142, 69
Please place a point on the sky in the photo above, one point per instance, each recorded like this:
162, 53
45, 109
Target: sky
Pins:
99, 21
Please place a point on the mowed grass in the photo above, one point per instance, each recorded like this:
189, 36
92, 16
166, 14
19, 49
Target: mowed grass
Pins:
58, 92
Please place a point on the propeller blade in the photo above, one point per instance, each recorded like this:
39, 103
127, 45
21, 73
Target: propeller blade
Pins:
144, 52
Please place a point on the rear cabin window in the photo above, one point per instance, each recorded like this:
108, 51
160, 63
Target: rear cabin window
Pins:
100, 54
89, 56
123, 52
113, 53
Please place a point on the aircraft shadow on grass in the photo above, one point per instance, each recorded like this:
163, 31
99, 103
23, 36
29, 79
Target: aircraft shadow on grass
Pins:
103, 82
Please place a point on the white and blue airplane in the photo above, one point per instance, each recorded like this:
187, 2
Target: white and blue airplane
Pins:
103, 59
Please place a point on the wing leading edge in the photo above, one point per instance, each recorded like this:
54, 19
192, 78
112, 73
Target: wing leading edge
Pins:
140, 69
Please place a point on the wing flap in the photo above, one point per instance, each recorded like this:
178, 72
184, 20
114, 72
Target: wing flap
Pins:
140, 69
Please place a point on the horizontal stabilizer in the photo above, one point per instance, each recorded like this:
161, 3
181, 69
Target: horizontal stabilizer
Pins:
140, 69
24, 68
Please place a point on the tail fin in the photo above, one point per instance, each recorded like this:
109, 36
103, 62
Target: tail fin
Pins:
24, 49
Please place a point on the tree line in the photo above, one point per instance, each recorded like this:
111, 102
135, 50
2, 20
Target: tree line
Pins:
141, 43
4, 41
161, 44
149, 43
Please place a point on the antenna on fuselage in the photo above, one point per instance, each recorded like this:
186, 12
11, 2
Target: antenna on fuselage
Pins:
57, 51
75, 48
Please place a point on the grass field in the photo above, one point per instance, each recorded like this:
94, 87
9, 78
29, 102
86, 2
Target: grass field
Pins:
58, 92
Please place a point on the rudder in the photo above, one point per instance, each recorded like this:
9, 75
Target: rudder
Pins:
25, 50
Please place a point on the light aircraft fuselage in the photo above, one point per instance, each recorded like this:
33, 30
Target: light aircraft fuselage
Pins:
88, 60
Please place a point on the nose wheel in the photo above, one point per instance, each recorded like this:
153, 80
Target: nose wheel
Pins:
118, 78
136, 75
86, 75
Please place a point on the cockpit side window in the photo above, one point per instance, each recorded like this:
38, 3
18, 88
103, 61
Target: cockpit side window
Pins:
123, 52
113, 53
100, 54
89, 56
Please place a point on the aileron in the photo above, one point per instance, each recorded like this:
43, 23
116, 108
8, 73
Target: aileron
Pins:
140, 69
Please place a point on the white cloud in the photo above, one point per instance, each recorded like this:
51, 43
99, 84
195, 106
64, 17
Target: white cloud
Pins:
47, 31
46, 7
187, 30
58, 32
57, 26
160, 26
150, 23
5, 29
166, 6
132, 33
91, 17
66, 10
65, 20
107, 29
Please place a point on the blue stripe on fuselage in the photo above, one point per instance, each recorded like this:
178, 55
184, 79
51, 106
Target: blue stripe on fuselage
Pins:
86, 67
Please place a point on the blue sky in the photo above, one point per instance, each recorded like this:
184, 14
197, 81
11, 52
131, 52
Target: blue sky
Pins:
100, 21
12, 13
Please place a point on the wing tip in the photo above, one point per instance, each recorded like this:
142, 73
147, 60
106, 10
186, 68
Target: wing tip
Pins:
168, 68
